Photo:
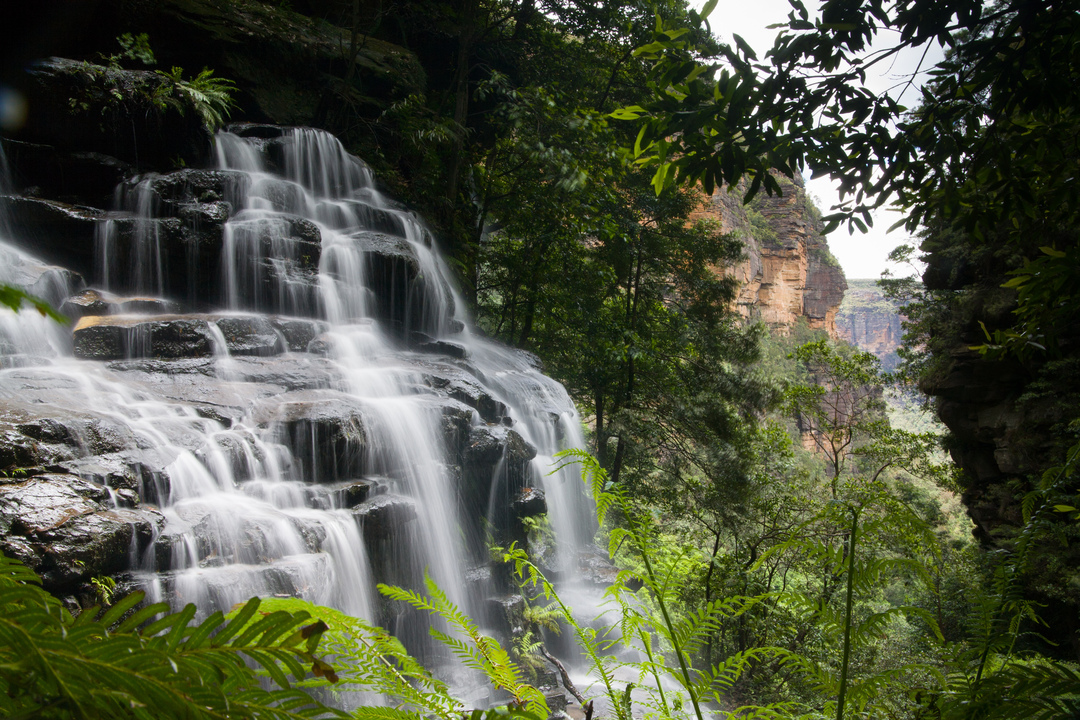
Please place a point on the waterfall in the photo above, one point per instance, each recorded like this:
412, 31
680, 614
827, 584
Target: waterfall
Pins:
321, 418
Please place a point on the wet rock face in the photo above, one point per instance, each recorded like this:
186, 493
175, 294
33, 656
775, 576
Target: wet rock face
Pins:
275, 260
114, 337
327, 431
381, 516
67, 530
99, 302
495, 464
59, 233
403, 295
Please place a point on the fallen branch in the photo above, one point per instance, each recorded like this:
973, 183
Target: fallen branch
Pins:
566, 681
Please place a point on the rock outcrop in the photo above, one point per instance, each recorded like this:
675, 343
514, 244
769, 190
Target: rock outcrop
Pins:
787, 272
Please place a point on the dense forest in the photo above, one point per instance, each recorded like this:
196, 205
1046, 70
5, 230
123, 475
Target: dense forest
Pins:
782, 549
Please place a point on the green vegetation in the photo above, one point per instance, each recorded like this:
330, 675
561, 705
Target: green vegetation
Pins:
798, 555
147, 663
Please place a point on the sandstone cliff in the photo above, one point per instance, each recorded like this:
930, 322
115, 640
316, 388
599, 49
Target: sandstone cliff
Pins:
870, 322
787, 271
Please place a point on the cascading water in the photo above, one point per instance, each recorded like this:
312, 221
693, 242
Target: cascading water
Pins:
325, 420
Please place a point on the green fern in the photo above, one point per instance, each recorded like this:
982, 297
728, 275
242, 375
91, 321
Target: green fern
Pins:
476, 651
211, 96
647, 613
136, 662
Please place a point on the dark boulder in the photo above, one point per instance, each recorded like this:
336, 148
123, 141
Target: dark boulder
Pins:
183, 191
82, 107
100, 302
78, 178
344, 494
113, 337
529, 502
64, 528
250, 335
381, 516
405, 298
455, 383
54, 231
298, 333
324, 430
443, 347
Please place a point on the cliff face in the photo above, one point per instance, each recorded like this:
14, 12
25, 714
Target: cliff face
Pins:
787, 271
870, 322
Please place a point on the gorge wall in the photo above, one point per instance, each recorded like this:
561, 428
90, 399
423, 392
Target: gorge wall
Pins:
787, 271
870, 322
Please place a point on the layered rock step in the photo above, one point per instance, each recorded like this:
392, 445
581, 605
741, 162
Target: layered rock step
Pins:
166, 336
113, 479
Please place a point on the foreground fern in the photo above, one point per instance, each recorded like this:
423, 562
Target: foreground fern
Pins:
141, 663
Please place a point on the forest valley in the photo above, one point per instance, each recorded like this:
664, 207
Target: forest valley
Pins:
784, 551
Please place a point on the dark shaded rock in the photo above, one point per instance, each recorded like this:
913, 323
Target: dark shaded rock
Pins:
56, 232
193, 193
490, 445
325, 431
380, 516
529, 502
455, 383
83, 107
443, 347
274, 260
124, 336
256, 130
495, 467
404, 298
344, 494
507, 615
284, 63
112, 337
250, 335
100, 302
456, 425
79, 178
298, 333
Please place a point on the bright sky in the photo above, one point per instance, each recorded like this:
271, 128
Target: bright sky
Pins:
862, 256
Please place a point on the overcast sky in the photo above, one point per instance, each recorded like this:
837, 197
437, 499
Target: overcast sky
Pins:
862, 256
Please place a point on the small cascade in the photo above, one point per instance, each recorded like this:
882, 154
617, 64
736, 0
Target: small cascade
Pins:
28, 337
318, 419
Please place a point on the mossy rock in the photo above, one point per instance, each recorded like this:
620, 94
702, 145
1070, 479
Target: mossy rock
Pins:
288, 66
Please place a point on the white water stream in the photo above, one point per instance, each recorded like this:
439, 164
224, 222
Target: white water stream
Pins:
253, 508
